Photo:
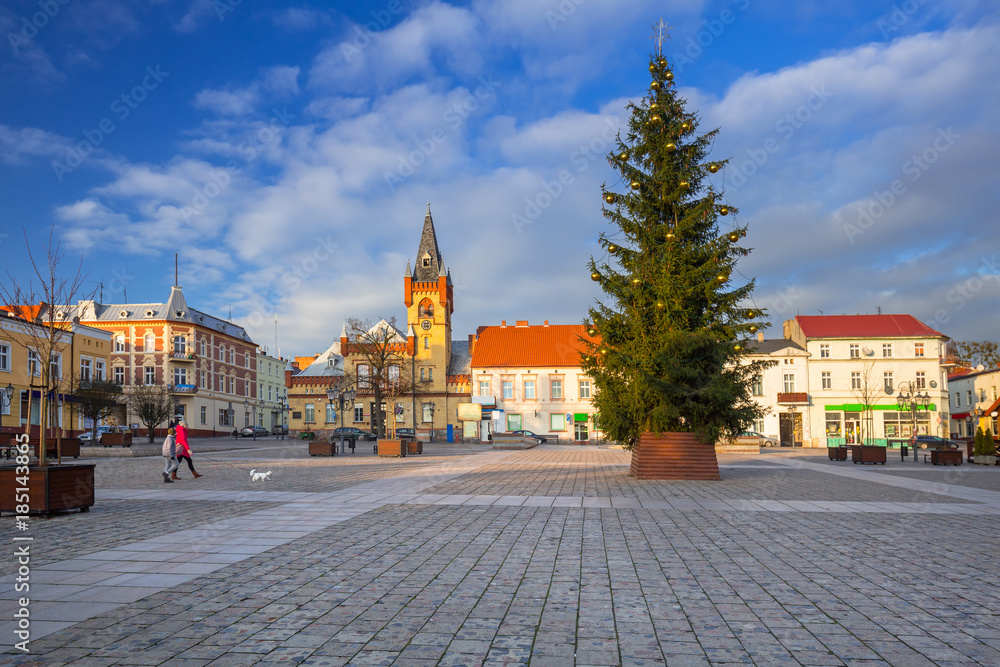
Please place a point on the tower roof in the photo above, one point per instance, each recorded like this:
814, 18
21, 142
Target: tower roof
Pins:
429, 262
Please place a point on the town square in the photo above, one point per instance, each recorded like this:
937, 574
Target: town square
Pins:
499, 333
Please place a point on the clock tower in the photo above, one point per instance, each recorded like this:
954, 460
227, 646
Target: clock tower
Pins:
428, 295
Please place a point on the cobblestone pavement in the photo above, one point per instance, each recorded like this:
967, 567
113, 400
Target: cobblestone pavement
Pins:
467, 560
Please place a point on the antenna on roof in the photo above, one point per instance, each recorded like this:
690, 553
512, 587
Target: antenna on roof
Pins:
879, 308
230, 312
175, 269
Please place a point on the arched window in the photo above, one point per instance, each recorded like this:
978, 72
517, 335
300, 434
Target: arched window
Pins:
426, 308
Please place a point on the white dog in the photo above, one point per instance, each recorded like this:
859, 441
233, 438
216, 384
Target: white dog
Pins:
260, 476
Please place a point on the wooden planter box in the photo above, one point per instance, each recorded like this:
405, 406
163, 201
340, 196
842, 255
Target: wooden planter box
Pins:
414, 447
321, 448
116, 439
941, 457
867, 454
51, 488
391, 448
837, 453
674, 456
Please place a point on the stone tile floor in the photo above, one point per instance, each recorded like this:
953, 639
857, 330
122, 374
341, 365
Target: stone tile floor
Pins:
547, 557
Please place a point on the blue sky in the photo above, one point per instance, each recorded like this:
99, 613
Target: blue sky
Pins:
288, 151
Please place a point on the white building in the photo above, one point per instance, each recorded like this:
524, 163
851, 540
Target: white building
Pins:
783, 389
970, 391
529, 377
270, 389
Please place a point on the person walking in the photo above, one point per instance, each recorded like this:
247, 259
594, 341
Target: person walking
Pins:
169, 452
183, 450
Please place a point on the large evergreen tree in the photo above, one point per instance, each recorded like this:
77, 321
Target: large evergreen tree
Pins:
675, 325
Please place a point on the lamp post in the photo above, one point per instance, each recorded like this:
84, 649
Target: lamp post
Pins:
260, 404
332, 394
909, 399
283, 404
246, 410
6, 397
432, 409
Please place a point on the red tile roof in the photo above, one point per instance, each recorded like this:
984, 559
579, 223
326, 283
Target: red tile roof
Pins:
864, 326
555, 345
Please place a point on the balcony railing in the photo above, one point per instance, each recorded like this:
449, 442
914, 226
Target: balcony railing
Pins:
950, 360
184, 388
182, 356
793, 397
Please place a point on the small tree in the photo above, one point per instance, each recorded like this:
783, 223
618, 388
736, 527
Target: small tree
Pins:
867, 395
46, 338
152, 404
95, 400
380, 350
973, 353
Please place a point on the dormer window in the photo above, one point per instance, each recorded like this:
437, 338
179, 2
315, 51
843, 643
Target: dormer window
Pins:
123, 313
149, 313
426, 259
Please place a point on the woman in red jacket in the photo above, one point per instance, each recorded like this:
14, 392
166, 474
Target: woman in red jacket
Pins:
183, 450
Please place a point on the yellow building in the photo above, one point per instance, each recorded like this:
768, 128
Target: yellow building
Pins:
438, 365
81, 352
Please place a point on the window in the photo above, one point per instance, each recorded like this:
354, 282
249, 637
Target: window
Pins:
180, 345
428, 413
958, 398
855, 350
758, 425
430, 374
758, 385
918, 349
201, 347
513, 423
222, 353
484, 388
887, 350
149, 375
921, 379
232, 385
55, 365
269, 388
824, 352
826, 379
555, 389
310, 413
99, 370
529, 389
427, 342
393, 375
180, 376
993, 392
423, 376
359, 412
584, 388
202, 379
204, 415
557, 422
833, 425
149, 343
246, 388
4, 357
225, 419
580, 432
119, 343
364, 375
119, 372
400, 413
887, 381
232, 355
33, 367
969, 395
508, 389
982, 394
86, 370
331, 414
789, 383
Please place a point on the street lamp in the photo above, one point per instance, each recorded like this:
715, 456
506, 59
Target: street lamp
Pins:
283, 404
5, 397
910, 400
260, 404
432, 408
246, 411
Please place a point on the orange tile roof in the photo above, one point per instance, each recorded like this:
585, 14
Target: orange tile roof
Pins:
864, 326
536, 346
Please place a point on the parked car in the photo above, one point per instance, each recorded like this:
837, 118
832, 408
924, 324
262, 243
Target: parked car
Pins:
254, 431
279, 430
87, 437
351, 432
762, 440
529, 434
932, 442
406, 434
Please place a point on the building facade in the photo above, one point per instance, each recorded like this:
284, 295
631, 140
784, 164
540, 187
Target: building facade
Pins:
529, 378
973, 397
208, 364
783, 389
270, 389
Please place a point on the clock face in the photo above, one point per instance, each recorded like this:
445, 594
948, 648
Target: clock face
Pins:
425, 325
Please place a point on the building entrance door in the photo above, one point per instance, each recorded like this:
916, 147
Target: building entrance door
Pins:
790, 429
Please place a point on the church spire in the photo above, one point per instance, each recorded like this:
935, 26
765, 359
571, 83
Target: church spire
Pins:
429, 262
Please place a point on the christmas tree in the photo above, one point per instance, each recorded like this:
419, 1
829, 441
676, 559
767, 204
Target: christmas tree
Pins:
677, 320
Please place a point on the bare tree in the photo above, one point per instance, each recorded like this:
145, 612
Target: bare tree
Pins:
152, 404
380, 351
47, 337
867, 394
95, 400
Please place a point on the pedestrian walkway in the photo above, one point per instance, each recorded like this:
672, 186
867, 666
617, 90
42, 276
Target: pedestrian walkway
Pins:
406, 569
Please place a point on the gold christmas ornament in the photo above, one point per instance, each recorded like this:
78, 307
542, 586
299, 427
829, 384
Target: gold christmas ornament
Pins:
595, 276
655, 85
623, 156
723, 211
636, 281
636, 185
609, 197
734, 236
737, 347
654, 106
612, 248
713, 168
659, 304
722, 277
671, 147
685, 126
591, 331
753, 328
670, 233
685, 185
654, 119
668, 75
662, 62
652, 68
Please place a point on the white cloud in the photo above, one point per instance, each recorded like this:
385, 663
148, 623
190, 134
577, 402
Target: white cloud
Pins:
275, 83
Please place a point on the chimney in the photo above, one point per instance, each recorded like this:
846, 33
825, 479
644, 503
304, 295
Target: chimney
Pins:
521, 323
472, 343
760, 336
503, 323
546, 323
